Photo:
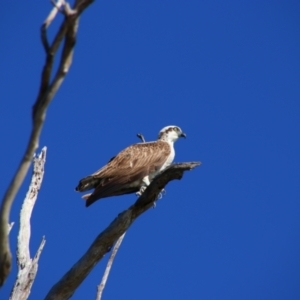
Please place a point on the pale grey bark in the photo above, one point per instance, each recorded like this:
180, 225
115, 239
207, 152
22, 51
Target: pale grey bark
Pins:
48, 88
10, 226
27, 267
114, 251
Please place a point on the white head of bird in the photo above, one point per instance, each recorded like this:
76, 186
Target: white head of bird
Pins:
171, 134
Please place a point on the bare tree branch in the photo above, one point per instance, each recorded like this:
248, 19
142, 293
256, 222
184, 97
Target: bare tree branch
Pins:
67, 31
115, 249
25, 215
47, 22
27, 266
67, 285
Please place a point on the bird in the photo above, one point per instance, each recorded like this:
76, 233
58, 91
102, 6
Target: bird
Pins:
133, 169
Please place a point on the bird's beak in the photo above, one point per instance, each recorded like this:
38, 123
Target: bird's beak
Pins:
183, 135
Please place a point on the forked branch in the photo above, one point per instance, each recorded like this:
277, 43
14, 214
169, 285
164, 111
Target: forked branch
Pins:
48, 89
27, 267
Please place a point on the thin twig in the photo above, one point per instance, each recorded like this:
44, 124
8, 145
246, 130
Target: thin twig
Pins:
67, 285
57, 4
48, 21
140, 136
10, 226
39, 252
28, 267
108, 267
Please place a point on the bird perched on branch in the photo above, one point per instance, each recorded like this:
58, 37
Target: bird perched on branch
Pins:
132, 170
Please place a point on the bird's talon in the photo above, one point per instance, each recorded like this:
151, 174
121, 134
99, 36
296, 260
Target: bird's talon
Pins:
161, 194
141, 191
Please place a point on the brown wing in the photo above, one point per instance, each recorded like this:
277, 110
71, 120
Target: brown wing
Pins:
124, 173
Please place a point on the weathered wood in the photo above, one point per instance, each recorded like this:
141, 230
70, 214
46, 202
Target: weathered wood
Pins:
48, 89
114, 251
27, 267
103, 243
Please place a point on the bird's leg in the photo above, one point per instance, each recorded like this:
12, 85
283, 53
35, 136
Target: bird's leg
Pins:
146, 180
145, 183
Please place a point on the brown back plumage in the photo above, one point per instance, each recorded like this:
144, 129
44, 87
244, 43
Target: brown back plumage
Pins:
123, 174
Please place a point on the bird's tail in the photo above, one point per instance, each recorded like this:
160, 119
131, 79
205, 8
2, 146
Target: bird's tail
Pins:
86, 196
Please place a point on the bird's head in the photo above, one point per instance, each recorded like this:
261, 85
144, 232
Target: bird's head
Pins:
171, 133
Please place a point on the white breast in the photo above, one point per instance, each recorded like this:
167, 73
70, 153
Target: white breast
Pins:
167, 162
170, 158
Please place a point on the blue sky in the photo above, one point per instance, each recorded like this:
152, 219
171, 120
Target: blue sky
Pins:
228, 74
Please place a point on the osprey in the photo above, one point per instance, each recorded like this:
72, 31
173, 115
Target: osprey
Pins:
132, 170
